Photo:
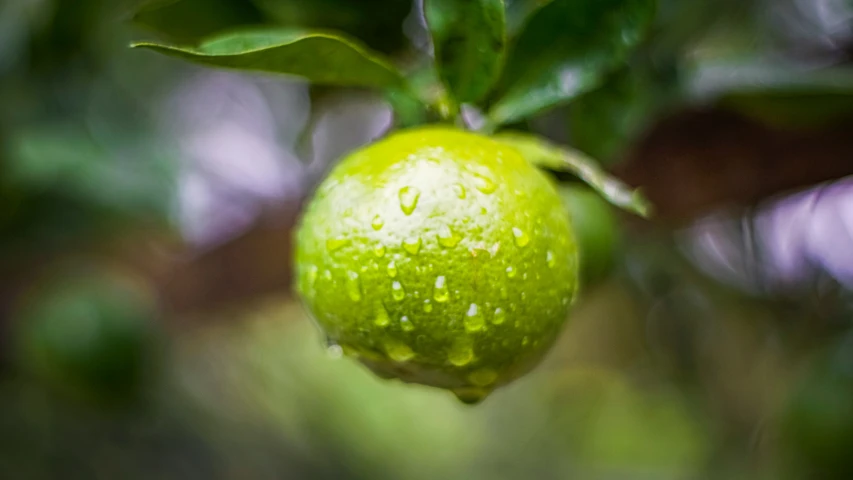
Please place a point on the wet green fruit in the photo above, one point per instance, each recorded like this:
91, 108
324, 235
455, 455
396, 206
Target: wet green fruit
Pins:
89, 336
438, 257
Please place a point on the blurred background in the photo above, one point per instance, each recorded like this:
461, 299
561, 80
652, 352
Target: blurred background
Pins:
147, 324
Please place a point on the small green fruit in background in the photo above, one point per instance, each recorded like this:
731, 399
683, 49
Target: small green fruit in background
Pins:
89, 333
596, 229
439, 257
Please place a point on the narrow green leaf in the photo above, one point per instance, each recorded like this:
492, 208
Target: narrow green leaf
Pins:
566, 49
190, 20
322, 58
541, 153
468, 37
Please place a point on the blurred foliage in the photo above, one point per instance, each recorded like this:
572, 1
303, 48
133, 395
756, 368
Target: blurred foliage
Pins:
191, 20
88, 334
684, 358
817, 421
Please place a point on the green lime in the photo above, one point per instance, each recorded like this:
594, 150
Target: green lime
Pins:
439, 257
89, 335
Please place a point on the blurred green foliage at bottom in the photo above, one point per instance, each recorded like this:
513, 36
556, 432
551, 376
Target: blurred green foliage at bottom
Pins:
264, 399
88, 333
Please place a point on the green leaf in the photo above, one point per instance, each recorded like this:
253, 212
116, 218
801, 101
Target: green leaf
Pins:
322, 58
468, 37
190, 20
605, 121
566, 49
543, 154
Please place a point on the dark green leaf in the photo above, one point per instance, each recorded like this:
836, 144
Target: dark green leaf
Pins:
468, 37
543, 154
190, 20
565, 50
605, 121
322, 58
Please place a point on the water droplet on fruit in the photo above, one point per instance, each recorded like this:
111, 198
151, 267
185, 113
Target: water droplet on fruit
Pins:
525, 341
440, 294
377, 223
336, 243
447, 238
484, 184
412, 245
311, 275
397, 291
461, 353
382, 319
310, 281
427, 306
392, 269
353, 286
470, 396
399, 352
504, 293
551, 259
483, 377
327, 275
405, 324
500, 316
379, 250
521, 238
511, 272
474, 319
459, 190
565, 301
409, 199
334, 351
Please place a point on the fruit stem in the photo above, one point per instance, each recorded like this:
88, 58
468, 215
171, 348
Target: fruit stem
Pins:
544, 154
